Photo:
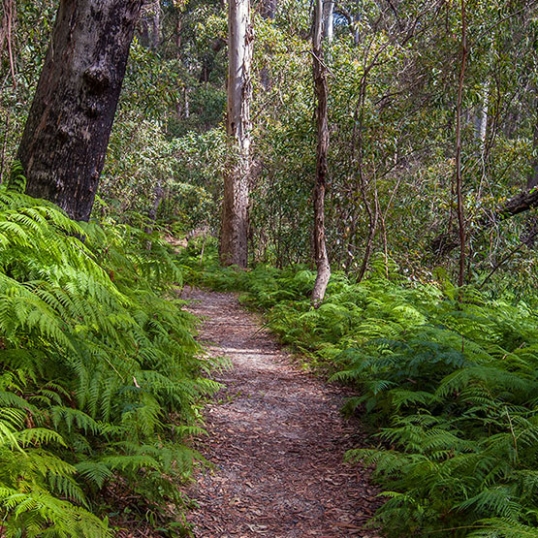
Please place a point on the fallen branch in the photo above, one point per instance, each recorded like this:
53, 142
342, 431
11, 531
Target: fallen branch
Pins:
445, 242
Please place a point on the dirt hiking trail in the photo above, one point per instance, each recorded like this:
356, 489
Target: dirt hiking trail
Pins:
276, 439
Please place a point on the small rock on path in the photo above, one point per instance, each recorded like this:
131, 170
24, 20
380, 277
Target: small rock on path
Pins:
276, 439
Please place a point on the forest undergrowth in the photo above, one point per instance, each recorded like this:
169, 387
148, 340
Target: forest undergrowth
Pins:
101, 385
446, 377
100, 380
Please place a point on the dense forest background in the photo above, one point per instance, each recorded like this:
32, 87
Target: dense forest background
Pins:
413, 122
430, 231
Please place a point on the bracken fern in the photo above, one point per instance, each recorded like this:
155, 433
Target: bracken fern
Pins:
449, 379
96, 356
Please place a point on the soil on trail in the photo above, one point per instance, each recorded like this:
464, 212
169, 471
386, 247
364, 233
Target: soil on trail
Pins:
276, 439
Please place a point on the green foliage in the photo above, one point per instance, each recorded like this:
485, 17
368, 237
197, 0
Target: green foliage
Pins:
449, 385
167, 146
97, 356
455, 396
17, 180
93, 354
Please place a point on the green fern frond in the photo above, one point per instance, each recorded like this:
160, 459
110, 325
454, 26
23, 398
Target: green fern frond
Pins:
475, 380
67, 488
408, 398
74, 418
126, 462
41, 513
143, 419
38, 437
13, 417
387, 462
497, 502
95, 472
94, 359
17, 178
500, 528
7, 435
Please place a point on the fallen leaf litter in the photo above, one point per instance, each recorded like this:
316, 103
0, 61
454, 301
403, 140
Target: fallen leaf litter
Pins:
276, 440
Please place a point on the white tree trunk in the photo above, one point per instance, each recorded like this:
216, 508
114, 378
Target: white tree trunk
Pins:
328, 20
481, 120
234, 230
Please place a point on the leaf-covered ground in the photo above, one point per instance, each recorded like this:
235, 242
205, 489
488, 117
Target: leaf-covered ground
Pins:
276, 439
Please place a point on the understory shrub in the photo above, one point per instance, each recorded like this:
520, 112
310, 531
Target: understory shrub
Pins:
448, 380
100, 379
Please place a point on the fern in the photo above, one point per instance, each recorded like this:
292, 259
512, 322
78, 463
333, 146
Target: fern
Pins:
41, 514
96, 357
449, 385
96, 473
500, 528
17, 179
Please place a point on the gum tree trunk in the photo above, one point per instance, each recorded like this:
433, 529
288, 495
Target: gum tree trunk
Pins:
150, 25
328, 20
66, 135
459, 179
321, 89
234, 230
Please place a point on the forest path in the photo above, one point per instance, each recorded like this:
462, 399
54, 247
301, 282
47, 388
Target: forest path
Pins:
276, 439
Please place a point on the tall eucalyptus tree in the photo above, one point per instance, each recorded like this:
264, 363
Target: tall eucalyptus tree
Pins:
234, 229
66, 135
320, 73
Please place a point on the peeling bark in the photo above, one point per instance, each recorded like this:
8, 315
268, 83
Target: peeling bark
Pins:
321, 88
66, 135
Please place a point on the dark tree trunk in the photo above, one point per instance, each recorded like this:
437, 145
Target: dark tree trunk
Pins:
523, 201
66, 135
320, 85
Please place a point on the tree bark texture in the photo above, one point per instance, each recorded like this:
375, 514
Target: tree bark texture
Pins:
66, 135
234, 229
321, 89
150, 23
459, 179
328, 20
